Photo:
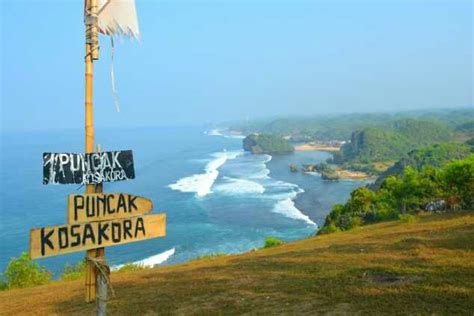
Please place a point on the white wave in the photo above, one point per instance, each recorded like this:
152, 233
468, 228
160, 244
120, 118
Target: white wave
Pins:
285, 185
215, 132
235, 136
223, 133
201, 184
152, 261
233, 186
287, 208
263, 172
268, 158
283, 190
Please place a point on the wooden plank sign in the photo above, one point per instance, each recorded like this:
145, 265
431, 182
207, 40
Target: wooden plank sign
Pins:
83, 208
57, 240
90, 168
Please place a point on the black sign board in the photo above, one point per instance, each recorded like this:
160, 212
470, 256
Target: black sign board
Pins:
91, 168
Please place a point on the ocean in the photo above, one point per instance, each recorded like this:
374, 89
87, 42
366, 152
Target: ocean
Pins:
218, 198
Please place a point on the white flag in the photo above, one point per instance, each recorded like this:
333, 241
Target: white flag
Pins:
118, 17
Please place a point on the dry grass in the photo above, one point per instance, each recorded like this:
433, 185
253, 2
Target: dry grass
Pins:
390, 268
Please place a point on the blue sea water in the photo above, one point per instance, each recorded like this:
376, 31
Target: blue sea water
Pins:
217, 198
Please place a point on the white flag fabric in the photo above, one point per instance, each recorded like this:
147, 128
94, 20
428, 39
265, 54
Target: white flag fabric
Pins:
118, 17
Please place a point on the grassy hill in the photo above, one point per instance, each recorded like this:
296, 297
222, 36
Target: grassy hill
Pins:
425, 267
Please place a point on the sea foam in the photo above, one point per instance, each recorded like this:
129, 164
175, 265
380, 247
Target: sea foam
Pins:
220, 132
215, 132
152, 261
201, 184
287, 208
233, 186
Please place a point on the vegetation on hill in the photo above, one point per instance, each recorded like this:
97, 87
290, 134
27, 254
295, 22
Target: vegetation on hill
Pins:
372, 145
340, 127
302, 129
435, 155
263, 143
467, 127
412, 191
273, 242
424, 268
23, 272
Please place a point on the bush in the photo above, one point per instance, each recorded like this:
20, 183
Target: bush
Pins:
355, 222
458, 179
407, 218
210, 255
331, 228
23, 272
273, 242
71, 272
131, 267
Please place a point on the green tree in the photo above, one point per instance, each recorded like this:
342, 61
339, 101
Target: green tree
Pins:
23, 272
458, 179
408, 191
361, 201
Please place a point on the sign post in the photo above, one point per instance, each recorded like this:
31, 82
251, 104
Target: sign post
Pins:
96, 219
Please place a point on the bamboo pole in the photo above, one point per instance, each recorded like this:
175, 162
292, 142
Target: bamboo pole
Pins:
92, 46
101, 288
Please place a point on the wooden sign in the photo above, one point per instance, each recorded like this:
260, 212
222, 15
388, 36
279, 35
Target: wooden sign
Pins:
57, 240
91, 168
83, 208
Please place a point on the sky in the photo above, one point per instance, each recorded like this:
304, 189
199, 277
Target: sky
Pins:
200, 62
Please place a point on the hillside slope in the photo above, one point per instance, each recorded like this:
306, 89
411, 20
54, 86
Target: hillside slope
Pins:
389, 268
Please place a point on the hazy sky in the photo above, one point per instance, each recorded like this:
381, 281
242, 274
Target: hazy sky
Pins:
218, 60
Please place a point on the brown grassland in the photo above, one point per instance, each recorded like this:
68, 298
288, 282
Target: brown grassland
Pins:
392, 268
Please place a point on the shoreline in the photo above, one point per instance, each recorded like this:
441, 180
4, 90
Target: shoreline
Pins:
318, 196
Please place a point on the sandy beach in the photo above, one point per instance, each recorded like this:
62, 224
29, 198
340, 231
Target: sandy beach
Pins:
312, 147
356, 175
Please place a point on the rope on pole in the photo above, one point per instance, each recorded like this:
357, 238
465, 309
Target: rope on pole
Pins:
103, 268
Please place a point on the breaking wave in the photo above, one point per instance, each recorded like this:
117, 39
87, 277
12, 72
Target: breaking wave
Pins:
247, 175
287, 208
201, 184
